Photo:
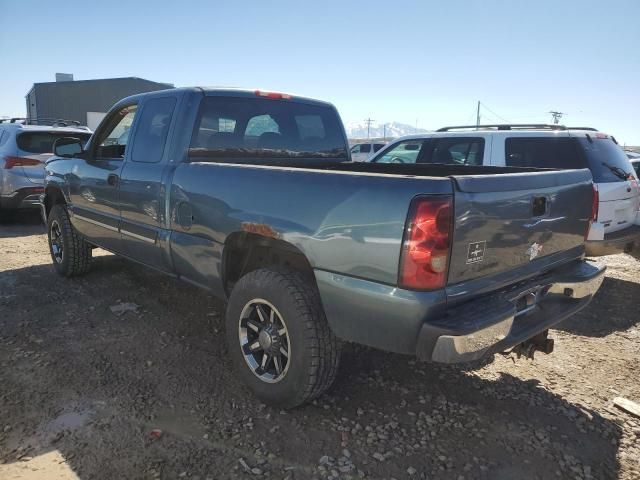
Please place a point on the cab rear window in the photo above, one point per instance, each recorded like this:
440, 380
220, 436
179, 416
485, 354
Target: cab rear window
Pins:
42, 142
258, 130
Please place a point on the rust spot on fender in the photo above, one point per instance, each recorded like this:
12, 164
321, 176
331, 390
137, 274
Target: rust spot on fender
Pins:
260, 229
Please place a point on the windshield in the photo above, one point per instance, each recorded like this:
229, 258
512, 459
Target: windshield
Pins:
248, 130
607, 161
42, 142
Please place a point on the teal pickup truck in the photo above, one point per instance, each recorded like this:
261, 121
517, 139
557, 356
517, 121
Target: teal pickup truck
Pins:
253, 196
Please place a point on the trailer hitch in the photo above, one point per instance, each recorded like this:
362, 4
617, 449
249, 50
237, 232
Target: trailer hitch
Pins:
528, 348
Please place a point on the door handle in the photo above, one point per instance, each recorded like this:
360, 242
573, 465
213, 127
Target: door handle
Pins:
112, 179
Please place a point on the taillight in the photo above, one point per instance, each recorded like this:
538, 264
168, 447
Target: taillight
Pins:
595, 205
10, 162
424, 260
273, 95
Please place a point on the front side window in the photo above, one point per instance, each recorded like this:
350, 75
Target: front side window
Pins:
259, 129
112, 140
456, 151
542, 152
152, 130
403, 152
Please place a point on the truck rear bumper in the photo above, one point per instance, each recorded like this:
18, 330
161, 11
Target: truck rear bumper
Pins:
419, 323
622, 241
502, 321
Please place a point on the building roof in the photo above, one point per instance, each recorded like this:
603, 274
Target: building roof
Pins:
95, 80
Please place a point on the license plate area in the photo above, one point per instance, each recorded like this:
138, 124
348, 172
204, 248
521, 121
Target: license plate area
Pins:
527, 301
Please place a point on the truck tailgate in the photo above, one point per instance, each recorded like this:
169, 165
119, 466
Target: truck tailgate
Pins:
503, 222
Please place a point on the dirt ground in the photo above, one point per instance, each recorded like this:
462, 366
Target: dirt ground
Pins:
86, 393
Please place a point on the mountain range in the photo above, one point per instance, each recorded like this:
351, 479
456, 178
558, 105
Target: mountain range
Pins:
378, 130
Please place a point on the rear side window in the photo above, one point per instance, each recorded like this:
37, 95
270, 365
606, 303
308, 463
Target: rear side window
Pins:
152, 130
255, 130
377, 146
607, 161
42, 142
455, 151
542, 152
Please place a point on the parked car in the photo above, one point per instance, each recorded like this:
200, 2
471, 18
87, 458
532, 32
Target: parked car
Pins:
617, 226
635, 163
361, 152
251, 196
23, 150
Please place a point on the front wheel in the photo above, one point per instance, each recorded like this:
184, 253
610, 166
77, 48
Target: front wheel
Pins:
70, 253
279, 339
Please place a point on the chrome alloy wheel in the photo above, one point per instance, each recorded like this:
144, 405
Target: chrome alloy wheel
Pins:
57, 245
264, 340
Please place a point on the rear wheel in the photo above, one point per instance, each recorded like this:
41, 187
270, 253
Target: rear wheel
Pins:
279, 339
70, 253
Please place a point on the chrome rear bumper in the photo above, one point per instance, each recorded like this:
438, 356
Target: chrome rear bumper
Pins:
500, 322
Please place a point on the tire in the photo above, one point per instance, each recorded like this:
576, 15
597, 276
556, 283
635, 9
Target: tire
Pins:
313, 352
70, 253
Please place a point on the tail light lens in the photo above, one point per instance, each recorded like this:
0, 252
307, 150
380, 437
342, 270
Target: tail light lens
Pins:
595, 205
10, 162
424, 260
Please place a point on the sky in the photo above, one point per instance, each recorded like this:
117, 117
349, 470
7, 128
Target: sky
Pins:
415, 62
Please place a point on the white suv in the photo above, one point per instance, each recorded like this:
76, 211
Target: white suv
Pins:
23, 151
617, 228
361, 152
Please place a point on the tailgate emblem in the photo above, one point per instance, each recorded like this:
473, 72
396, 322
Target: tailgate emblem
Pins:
475, 252
534, 250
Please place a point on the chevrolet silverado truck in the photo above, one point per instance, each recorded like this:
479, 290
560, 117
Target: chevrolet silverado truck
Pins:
252, 196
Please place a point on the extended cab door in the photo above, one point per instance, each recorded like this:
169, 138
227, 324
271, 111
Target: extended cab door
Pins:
93, 183
143, 223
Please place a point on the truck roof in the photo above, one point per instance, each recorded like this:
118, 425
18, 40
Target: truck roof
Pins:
234, 92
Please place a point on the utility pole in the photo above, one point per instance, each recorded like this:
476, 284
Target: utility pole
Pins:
369, 121
384, 130
477, 115
416, 129
556, 116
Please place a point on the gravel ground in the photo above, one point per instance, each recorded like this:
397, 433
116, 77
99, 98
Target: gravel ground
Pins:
86, 393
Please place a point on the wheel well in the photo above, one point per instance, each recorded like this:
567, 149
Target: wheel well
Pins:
245, 252
53, 196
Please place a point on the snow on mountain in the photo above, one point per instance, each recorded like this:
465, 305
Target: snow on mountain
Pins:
378, 130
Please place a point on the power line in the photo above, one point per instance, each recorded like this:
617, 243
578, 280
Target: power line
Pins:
494, 113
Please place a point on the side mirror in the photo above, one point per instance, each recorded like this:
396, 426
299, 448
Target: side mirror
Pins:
67, 147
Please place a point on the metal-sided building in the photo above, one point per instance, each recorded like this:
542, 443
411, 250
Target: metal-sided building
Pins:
85, 101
